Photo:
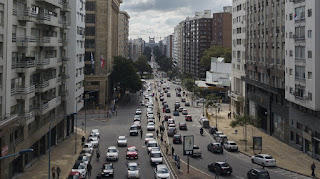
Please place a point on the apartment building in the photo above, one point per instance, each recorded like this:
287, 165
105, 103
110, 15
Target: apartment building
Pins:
178, 46
136, 48
34, 79
123, 49
237, 91
101, 45
169, 46
265, 65
302, 74
222, 28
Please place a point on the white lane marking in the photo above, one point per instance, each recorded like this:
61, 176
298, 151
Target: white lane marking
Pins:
239, 177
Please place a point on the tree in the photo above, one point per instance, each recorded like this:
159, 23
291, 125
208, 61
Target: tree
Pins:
125, 74
142, 65
147, 52
156, 51
164, 63
215, 51
188, 83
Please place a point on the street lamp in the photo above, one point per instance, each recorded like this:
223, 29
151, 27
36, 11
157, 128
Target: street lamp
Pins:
15, 154
50, 140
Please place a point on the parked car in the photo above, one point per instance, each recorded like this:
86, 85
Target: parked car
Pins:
152, 144
149, 136
83, 159
201, 100
215, 135
188, 118
122, 141
95, 133
161, 98
94, 141
151, 119
197, 152
176, 113
222, 138
183, 100
107, 170
180, 109
137, 123
263, 160
167, 110
186, 103
258, 173
166, 117
133, 130
155, 157
138, 112
168, 94
132, 152
220, 168
81, 168
88, 146
183, 126
171, 121
231, 146
185, 112
86, 152
161, 172
137, 118
112, 153
74, 175
215, 147
133, 170
213, 130
150, 126
171, 131
177, 139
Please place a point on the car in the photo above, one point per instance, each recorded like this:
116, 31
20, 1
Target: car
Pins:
177, 139
161, 98
81, 168
137, 123
112, 153
83, 159
137, 118
231, 146
171, 121
149, 136
122, 141
222, 138
178, 94
213, 130
74, 175
168, 94
185, 112
133, 170
172, 125
188, 118
166, 91
183, 100
215, 147
133, 130
183, 126
132, 152
94, 141
161, 172
95, 133
138, 112
263, 160
141, 103
216, 134
171, 131
166, 117
150, 126
107, 170
167, 110
180, 109
258, 173
86, 152
149, 113
186, 103
159, 90
88, 146
151, 144
151, 119
155, 157
201, 100
220, 168
176, 113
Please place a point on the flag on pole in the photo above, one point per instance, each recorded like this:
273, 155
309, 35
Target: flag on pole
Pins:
102, 61
92, 61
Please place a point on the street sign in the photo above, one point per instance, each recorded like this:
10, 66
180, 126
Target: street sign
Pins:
188, 142
257, 144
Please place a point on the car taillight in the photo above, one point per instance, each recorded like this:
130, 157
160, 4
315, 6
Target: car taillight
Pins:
214, 147
180, 138
173, 138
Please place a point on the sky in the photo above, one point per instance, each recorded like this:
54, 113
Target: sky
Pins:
157, 18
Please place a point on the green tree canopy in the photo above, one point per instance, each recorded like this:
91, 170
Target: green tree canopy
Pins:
164, 63
215, 51
147, 52
156, 51
189, 84
142, 65
125, 73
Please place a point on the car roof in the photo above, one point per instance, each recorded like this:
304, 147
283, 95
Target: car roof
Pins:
112, 147
152, 141
155, 151
265, 155
177, 135
132, 147
161, 166
108, 164
132, 164
134, 126
122, 137
231, 141
221, 162
149, 134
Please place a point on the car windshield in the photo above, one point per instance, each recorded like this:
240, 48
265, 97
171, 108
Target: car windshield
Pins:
163, 170
224, 165
122, 138
156, 155
107, 167
268, 157
73, 177
152, 145
133, 168
112, 150
85, 151
150, 124
149, 136
133, 128
131, 149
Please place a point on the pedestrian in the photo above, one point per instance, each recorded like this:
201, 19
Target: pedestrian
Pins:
83, 139
117, 112
141, 132
159, 117
161, 138
157, 132
313, 167
89, 169
218, 110
163, 110
162, 122
234, 114
167, 147
58, 171
53, 171
172, 151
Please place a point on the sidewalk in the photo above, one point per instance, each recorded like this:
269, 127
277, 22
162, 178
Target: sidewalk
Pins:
62, 155
286, 156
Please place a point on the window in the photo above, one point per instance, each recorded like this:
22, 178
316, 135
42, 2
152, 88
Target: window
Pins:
309, 75
299, 91
300, 52
290, 71
310, 96
90, 31
292, 136
290, 16
90, 6
90, 18
299, 13
309, 12
1, 14
90, 43
290, 53
309, 33
300, 32
298, 139
300, 72
309, 54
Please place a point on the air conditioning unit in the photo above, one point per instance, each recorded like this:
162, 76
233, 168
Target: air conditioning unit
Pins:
258, 36
271, 34
276, 34
258, 23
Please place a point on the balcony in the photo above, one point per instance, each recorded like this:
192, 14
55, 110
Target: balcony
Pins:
56, 3
13, 91
237, 97
65, 60
49, 42
47, 106
299, 38
24, 66
25, 90
26, 15
24, 41
65, 6
262, 85
297, 1
64, 42
300, 60
65, 24
300, 18
65, 76
48, 63
27, 117
47, 19
46, 85
8, 120
300, 79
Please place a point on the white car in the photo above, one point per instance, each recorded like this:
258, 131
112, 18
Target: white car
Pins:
215, 135
94, 141
88, 146
155, 157
263, 160
83, 159
230, 145
95, 133
161, 171
138, 111
133, 170
150, 126
151, 120
112, 153
149, 136
122, 141
152, 144
81, 168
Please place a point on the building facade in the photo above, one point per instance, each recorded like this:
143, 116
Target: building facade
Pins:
265, 66
237, 91
169, 46
34, 79
101, 46
222, 28
302, 75
136, 48
123, 34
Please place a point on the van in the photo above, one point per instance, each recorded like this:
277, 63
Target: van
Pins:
204, 122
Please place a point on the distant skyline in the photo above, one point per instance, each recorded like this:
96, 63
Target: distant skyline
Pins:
157, 18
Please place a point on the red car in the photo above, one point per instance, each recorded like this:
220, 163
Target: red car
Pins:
74, 175
138, 123
167, 117
188, 118
132, 152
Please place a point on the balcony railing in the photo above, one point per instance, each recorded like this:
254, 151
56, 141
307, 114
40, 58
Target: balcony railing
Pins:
299, 38
13, 91
42, 107
25, 64
23, 39
65, 59
297, 1
25, 90
41, 84
303, 60
26, 15
237, 97
8, 119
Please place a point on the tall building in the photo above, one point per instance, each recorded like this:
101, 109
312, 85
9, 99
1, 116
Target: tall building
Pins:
123, 34
34, 78
237, 91
169, 46
222, 28
178, 46
265, 65
101, 46
302, 74
136, 48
